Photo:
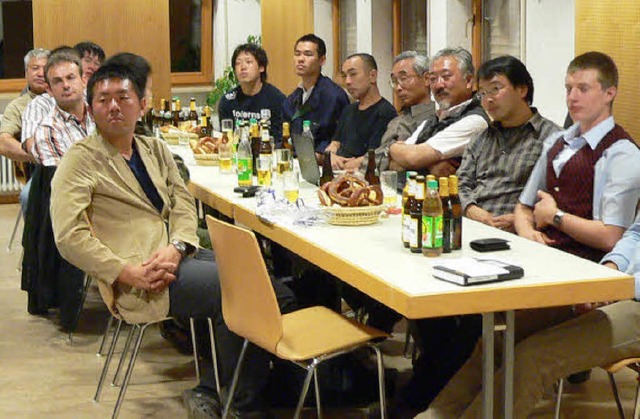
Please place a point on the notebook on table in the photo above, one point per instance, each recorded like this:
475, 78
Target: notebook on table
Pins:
469, 271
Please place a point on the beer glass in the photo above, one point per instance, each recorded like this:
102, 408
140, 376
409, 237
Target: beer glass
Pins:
291, 186
283, 161
389, 184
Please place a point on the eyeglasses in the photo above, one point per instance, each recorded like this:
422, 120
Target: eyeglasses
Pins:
401, 81
490, 92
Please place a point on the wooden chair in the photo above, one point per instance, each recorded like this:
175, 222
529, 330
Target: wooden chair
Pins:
634, 364
305, 337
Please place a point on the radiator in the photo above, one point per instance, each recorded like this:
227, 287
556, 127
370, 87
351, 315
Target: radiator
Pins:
9, 185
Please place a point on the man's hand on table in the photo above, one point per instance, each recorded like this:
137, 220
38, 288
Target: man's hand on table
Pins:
444, 168
505, 222
544, 210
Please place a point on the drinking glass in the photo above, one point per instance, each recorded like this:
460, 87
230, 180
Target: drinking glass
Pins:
389, 183
226, 125
283, 160
291, 186
264, 171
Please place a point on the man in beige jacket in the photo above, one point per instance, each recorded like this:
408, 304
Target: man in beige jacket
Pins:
122, 214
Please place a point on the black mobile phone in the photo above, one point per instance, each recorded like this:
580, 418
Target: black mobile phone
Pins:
246, 191
489, 245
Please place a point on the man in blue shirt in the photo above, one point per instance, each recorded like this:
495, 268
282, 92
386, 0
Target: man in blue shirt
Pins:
317, 98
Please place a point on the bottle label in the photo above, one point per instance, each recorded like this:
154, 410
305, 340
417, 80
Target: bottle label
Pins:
405, 228
413, 233
244, 170
431, 232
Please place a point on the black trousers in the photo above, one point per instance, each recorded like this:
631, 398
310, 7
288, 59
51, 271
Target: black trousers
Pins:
196, 293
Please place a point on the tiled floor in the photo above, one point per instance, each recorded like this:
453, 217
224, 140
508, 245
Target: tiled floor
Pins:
43, 374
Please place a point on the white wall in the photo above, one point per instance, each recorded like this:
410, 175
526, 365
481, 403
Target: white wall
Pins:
233, 22
323, 27
550, 46
382, 44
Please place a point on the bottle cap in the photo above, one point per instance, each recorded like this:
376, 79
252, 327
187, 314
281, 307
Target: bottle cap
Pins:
432, 184
306, 123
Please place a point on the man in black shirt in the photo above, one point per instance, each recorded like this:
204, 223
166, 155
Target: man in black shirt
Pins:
362, 123
253, 97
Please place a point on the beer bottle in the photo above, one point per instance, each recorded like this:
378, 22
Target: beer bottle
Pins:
159, 115
415, 239
432, 221
177, 109
205, 124
456, 211
406, 209
245, 167
370, 175
286, 136
431, 177
254, 141
447, 217
193, 114
168, 112
327, 170
405, 190
264, 159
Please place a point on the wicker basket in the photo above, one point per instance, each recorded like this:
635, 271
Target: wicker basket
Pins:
206, 159
353, 216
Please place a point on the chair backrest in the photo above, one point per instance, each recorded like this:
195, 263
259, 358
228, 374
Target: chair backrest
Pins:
249, 304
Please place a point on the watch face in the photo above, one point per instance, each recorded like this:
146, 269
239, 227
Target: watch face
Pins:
180, 246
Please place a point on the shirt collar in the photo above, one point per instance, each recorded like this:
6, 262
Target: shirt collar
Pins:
593, 136
66, 116
535, 122
418, 109
455, 110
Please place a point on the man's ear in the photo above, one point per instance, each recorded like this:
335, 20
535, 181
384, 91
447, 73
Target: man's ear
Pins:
48, 89
323, 60
373, 75
611, 93
143, 103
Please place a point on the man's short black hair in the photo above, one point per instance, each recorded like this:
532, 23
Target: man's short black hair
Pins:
115, 71
258, 53
138, 65
367, 59
510, 67
310, 37
90, 48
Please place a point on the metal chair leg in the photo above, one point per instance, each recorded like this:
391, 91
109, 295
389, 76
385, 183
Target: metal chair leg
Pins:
234, 382
559, 398
214, 354
127, 376
106, 334
614, 389
85, 290
381, 389
195, 348
311, 368
15, 229
317, 391
123, 356
107, 361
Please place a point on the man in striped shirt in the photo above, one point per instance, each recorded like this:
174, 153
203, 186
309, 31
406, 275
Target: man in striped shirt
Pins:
69, 121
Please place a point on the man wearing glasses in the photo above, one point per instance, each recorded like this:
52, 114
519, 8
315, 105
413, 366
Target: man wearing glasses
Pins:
439, 140
496, 164
410, 83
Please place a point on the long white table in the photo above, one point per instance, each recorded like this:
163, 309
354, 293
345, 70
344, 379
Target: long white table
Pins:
372, 259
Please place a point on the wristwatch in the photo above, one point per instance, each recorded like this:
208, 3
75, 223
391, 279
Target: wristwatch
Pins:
180, 246
557, 218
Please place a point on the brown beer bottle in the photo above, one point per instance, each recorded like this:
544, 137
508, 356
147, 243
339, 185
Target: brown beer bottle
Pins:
415, 232
327, 170
432, 221
176, 111
370, 175
447, 217
193, 114
406, 209
405, 190
456, 211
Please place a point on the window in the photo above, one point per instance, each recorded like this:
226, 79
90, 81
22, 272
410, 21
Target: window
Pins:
410, 26
16, 39
190, 31
497, 29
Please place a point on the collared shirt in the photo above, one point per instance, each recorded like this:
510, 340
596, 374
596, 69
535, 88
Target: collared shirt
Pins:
12, 117
39, 108
306, 92
57, 133
626, 254
452, 140
497, 163
400, 128
616, 186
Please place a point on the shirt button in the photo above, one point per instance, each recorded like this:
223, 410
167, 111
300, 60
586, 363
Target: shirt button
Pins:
557, 189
